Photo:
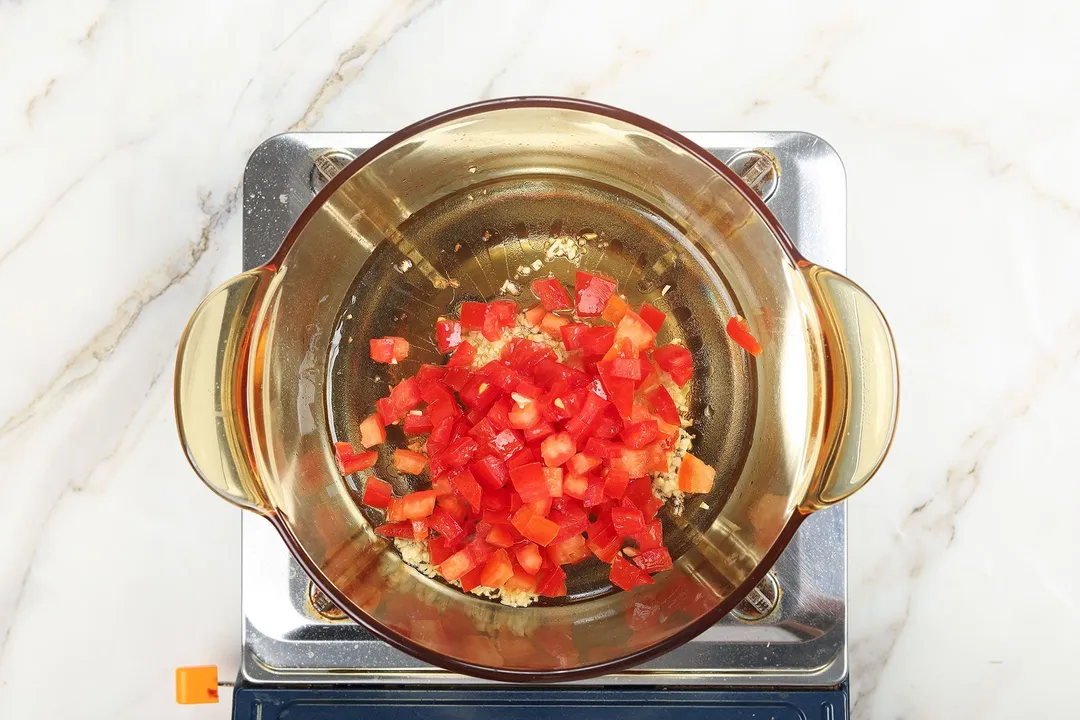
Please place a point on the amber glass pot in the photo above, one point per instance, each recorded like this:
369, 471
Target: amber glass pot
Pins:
273, 367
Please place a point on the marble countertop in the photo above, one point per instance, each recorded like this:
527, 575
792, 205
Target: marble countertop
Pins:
124, 129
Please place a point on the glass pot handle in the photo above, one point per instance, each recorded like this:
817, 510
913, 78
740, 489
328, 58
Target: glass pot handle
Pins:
209, 391
862, 388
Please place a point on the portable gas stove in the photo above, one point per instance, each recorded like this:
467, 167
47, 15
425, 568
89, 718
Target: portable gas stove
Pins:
781, 654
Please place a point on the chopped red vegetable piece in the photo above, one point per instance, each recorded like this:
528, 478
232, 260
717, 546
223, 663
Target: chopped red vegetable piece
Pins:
490, 471
534, 315
627, 520
497, 570
372, 431
614, 309
557, 449
576, 486
420, 529
466, 486
552, 582
462, 356
654, 317
524, 415
472, 315
568, 551
440, 549
591, 293
573, 335
402, 529
389, 349
676, 361
552, 325
636, 330
615, 483
695, 476
654, 560
638, 435
551, 293
529, 557
471, 579
417, 505
455, 566
377, 493
445, 524
626, 575
530, 481
540, 530
417, 424
410, 462
349, 461
660, 400
447, 335
739, 331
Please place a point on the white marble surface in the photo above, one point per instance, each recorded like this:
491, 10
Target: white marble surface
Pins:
124, 128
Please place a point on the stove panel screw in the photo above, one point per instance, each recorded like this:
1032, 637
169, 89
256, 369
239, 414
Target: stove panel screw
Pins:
323, 605
762, 601
327, 164
759, 169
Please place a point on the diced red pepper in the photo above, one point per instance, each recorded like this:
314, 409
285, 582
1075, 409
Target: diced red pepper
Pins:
389, 349
651, 537
628, 368
552, 582
458, 377
538, 432
445, 524
377, 493
349, 461
497, 570
573, 335
500, 536
739, 331
591, 293
626, 575
504, 311
604, 542
620, 391
615, 483
440, 549
456, 506
614, 310
472, 315
535, 314
410, 462
402, 529
637, 331
455, 566
372, 431
582, 463
463, 355
524, 416
530, 481
654, 560
471, 579
459, 452
529, 557
602, 448
417, 505
638, 435
490, 471
575, 485
540, 530
404, 397
695, 476
417, 424
597, 340
552, 325
395, 510
552, 294
660, 400
441, 485
521, 581
568, 551
447, 335
506, 443
521, 457
557, 449
466, 486
627, 520
651, 315
420, 529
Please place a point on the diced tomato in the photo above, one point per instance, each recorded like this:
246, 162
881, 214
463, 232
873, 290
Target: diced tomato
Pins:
660, 400
530, 481
615, 482
349, 461
676, 361
552, 582
402, 529
377, 493
490, 471
626, 575
447, 335
695, 476
471, 579
575, 485
410, 462
455, 566
372, 431
557, 449
637, 331
654, 317
466, 486
568, 551
638, 435
614, 309
654, 560
551, 293
591, 293
540, 530
389, 349
500, 536
462, 356
444, 523
497, 570
440, 549
739, 331
472, 315
529, 557
420, 529
627, 520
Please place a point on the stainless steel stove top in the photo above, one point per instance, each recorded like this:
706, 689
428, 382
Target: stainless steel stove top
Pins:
802, 638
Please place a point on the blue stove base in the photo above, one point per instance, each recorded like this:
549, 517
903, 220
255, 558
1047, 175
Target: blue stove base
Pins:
383, 703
